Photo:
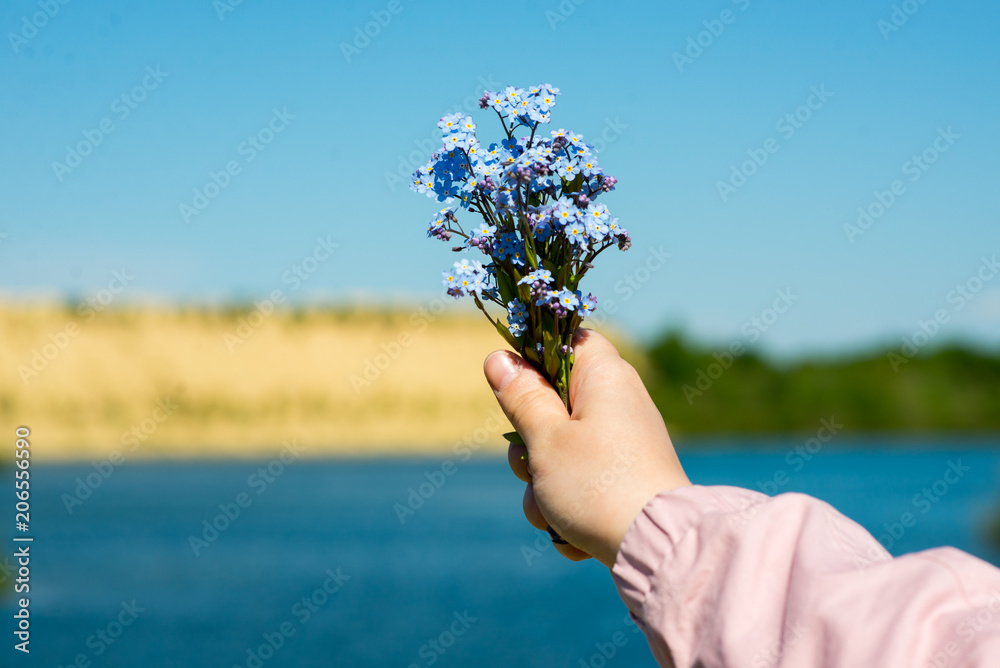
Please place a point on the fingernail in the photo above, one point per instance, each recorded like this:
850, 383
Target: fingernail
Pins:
500, 370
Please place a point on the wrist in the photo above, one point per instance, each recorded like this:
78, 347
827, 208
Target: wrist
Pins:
627, 512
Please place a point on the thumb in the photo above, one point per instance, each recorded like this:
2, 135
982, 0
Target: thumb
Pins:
530, 403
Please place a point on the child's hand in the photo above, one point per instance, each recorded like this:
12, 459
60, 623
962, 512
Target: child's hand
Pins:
591, 474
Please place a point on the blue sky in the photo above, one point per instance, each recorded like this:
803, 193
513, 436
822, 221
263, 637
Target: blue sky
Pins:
676, 128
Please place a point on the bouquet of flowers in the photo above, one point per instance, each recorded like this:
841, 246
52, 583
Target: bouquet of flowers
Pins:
538, 224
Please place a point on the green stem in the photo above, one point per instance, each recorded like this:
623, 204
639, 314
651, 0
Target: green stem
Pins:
561, 381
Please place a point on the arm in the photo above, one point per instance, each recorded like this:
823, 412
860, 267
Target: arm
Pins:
718, 576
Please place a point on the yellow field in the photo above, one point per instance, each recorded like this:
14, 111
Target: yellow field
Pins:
196, 383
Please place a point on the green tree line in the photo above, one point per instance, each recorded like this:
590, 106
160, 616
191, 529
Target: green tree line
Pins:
951, 389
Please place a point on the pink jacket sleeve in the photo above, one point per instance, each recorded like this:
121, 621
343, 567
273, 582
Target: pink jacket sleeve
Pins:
724, 577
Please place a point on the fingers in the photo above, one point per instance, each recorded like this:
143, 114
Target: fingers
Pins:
517, 458
602, 382
591, 343
572, 553
529, 402
531, 510
536, 520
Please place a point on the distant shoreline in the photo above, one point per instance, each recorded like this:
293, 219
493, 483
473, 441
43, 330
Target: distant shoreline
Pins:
160, 383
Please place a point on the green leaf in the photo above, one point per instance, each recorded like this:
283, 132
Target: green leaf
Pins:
514, 437
548, 321
529, 251
531, 353
524, 293
506, 287
551, 354
508, 337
